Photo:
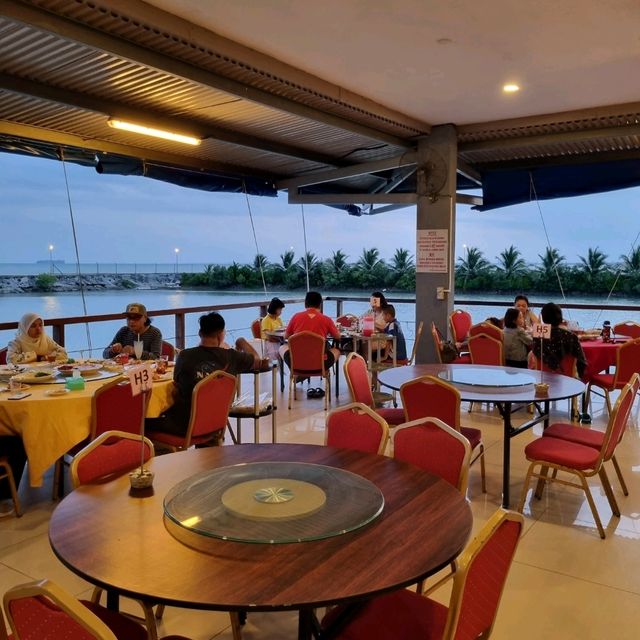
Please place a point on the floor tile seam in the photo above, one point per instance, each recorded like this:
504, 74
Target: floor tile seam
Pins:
579, 579
14, 569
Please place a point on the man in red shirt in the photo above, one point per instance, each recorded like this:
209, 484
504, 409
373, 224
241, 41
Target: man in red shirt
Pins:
312, 319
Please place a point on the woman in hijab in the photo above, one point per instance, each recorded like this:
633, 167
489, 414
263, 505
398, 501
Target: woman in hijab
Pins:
32, 343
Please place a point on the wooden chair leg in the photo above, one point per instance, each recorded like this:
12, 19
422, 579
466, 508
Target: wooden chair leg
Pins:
623, 484
236, 629
12, 487
525, 487
608, 399
606, 485
542, 479
483, 476
592, 504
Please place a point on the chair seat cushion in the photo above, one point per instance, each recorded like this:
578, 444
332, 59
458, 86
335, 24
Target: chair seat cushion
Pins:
391, 415
121, 626
572, 433
474, 436
561, 452
604, 380
401, 614
463, 359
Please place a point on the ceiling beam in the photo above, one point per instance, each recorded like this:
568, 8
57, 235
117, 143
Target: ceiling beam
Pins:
352, 198
153, 119
76, 32
467, 171
149, 155
348, 172
550, 139
465, 198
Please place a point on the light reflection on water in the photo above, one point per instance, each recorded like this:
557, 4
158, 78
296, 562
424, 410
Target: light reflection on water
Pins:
238, 320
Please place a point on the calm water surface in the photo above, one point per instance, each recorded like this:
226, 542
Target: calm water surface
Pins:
238, 321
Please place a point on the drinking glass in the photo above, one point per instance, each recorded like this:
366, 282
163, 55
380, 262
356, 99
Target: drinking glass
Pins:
137, 348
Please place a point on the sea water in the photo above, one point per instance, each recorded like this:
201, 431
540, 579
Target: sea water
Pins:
77, 340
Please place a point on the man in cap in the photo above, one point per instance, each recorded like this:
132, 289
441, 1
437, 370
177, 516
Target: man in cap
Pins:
138, 328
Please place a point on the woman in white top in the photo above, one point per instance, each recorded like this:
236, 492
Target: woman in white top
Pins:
378, 302
32, 343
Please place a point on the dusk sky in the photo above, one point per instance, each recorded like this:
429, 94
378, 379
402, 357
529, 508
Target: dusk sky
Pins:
134, 219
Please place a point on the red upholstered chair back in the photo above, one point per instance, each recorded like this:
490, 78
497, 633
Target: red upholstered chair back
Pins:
110, 455
618, 418
168, 350
430, 397
627, 362
210, 404
306, 350
114, 408
432, 445
256, 328
482, 572
3, 355
628, 328
43, 610
356, 426
567, 365
485, 349
357, 376
488, 328
460, 322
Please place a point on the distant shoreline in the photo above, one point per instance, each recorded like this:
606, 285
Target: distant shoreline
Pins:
45, 283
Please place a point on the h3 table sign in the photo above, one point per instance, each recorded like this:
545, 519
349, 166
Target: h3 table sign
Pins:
141, 381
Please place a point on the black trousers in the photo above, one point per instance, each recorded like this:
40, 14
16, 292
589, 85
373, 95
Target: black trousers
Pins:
13, 449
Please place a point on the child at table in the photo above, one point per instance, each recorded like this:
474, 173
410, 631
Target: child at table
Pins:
272, 322
392, 328
516, 341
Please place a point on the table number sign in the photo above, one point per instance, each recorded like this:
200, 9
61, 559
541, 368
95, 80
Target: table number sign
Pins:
141, 378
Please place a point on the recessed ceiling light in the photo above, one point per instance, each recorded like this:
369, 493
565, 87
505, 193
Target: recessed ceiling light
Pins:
511, 87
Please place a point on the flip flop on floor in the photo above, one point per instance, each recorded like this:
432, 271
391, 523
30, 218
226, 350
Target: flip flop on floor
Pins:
311, 393
319, 393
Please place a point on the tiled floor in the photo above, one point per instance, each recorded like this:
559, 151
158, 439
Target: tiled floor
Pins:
565, 583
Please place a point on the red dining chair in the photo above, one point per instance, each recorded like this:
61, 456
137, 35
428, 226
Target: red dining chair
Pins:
484, 349
210, 405
627, 363
475, 598
434, 446
628, 328
113, 407
168, 350
307, 358
359, 383
430, 397
42, 610
256, 328
356, 426
487, 328
110, 455
591, 437
460, 322
562, 456
439, 348
3, 355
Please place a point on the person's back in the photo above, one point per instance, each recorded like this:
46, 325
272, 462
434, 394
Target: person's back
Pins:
393, 328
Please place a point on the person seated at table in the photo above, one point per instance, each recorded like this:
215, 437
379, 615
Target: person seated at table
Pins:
515, 340
138, 327
378, 302
393, 328
32, 343
312, 319
272, 322
562, 342
196, 363
13, 449
496, 322
521, 302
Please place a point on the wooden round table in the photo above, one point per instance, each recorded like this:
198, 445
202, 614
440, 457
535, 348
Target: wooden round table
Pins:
560, 387
122, 544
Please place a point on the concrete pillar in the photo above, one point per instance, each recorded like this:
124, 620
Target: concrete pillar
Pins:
435, 234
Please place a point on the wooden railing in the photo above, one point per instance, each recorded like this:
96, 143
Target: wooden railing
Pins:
58, 324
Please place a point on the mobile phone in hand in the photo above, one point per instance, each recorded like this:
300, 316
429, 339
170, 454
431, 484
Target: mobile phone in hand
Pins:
19, 396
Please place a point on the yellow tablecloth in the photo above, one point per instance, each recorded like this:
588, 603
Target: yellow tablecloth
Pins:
51, 425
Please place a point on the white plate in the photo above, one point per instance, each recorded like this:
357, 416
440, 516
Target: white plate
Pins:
32, 378
57, 392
